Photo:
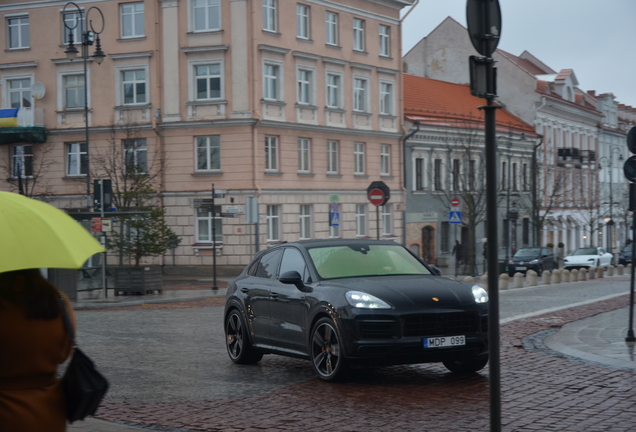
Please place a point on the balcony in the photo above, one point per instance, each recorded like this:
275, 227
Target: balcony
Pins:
30, 128
575, 156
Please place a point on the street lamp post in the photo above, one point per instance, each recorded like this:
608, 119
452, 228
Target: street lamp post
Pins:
610, 223
535, 205
508, 218
88, 37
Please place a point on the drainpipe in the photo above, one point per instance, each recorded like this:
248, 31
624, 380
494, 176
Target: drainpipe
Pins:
404, 140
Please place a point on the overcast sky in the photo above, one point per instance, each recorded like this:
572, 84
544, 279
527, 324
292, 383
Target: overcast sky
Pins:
595, 38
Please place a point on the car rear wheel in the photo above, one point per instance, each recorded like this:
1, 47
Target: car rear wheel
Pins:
467, 366
237, 340
327, 355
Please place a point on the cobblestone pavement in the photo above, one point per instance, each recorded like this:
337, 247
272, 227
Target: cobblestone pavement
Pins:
201, 390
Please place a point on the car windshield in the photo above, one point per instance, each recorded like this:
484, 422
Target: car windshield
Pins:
628, 248
364, 260
530, 252
585, 251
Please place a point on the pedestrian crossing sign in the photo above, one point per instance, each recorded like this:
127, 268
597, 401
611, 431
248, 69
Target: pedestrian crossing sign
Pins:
455, 217
334, 219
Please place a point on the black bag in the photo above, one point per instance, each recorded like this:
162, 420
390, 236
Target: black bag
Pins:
84, 387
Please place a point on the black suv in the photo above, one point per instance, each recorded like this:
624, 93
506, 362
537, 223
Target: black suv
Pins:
532, 258
626, 255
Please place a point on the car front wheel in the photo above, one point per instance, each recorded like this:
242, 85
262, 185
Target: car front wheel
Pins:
467, 366
237, 340
327, 355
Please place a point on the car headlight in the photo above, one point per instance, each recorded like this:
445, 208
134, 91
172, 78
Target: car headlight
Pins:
365, 301
511, 262
534, 261
480, 294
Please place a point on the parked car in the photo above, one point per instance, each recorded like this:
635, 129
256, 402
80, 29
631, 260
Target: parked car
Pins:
532, 258
347, 303
625, 256
590, 257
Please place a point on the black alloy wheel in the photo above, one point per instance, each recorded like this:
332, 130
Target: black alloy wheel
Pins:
467, 366
237, 340
327, 355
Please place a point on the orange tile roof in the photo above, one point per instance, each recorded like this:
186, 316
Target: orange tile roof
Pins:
434, 101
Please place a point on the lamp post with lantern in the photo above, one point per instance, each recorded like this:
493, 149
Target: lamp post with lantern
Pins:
88, 37
610, 223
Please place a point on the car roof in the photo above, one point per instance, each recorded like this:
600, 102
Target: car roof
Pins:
308, 244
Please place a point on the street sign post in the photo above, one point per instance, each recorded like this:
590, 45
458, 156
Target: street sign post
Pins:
378, 194
454, 217
455, 202
630, 173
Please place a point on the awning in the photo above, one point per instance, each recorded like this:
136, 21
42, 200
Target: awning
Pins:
12, 135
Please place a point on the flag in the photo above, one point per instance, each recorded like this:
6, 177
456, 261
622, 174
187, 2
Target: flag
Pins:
9, 117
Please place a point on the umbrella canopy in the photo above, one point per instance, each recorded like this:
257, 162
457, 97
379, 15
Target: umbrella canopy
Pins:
34, 234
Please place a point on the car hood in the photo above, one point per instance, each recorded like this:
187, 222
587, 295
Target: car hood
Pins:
525, 259
412, 291
581, 259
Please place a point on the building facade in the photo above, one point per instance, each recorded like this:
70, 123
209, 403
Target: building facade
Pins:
297, 104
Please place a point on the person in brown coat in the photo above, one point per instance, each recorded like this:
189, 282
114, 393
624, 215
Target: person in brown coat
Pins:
33, 343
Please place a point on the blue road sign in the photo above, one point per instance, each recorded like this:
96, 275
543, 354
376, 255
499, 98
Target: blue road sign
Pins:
334, 219
455, 217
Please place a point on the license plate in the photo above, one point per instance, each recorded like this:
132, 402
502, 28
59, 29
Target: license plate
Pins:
521, 268
446, 341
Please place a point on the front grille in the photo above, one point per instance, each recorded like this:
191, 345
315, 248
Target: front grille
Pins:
377, 329
441, 324
484, 324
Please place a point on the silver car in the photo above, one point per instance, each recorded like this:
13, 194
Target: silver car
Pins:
589, 257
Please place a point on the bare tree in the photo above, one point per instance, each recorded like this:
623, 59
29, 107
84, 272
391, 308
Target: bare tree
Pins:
592, 213
26, 170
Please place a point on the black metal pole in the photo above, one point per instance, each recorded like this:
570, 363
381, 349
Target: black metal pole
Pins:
214, 286
377, 221
630, 332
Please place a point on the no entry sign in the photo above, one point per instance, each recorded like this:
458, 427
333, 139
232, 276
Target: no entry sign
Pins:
455, 202
376, 197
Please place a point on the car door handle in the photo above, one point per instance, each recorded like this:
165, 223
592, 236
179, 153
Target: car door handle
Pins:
245, 290
274, 295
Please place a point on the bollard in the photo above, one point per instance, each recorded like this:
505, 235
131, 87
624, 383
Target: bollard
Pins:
610, 270
591, 273
531, 276
629, 268
503, 281
518, 280
483, 281
583, 274
469, 279
556, 277
600, 272
546, 277
565, 275
574, 275
621, 269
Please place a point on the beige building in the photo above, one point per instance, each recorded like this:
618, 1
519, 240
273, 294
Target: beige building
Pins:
295, 103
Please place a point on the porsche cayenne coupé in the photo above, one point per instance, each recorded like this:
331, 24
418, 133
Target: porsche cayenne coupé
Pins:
351, 303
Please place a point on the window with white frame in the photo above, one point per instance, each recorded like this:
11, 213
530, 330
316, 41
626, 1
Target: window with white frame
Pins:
273, 223
18, 32
75, 22
385, 41
334, 90
304, 155
331, 35
208, 153
271, 153
360, 94
205, 219
524, 175
76, 159
385, 159
19, 93
302, 21
73, 91
456, 179
305, 86
438, 175
22, 161
134, 87
334, 230
515, 186
132, 20
135, 156
361, 220
305, 221
387, 220
332, 157
271, 82
504, 167
358, 156
420, 174
386, 98
206, 15
269, 15
208, 81
358, 34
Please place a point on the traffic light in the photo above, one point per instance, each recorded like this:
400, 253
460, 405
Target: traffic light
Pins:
97, 195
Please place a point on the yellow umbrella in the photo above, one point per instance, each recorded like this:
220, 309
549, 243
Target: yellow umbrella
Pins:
34, 234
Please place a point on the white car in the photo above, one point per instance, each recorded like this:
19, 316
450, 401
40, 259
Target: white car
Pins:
590, 257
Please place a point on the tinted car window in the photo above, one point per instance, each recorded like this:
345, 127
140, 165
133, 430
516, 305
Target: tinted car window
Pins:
293, 261
268, 264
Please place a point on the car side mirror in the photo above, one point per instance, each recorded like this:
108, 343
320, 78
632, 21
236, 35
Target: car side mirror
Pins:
436, 271
293, 278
